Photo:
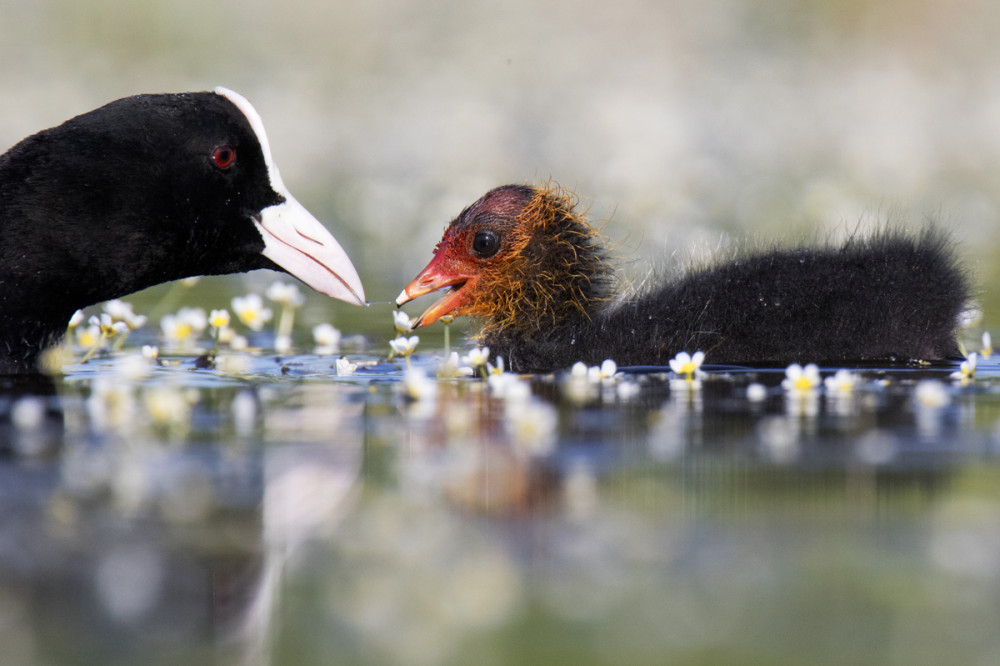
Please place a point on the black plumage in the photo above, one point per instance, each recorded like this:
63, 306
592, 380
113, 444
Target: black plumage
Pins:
141, 191
546, 295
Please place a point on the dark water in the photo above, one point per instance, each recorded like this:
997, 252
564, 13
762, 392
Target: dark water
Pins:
281, 514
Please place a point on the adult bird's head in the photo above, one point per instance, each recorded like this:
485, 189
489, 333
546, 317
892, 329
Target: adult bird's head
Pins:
519, 258
144, 190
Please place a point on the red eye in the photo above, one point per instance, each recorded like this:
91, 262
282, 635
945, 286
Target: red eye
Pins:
224, 156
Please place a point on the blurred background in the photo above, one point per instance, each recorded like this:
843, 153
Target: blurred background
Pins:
685, 124
293, 517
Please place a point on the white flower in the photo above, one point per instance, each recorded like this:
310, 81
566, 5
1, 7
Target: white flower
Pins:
121, 311
987, 350
150, 352
801, 379
579, 369
404, 346
401, 321
219, 319
510, 387
967, 371
688, 366
495, 369
452, 368
285, 294
233, 364
843, 381
76, 319
87, 336
606, 370
251, 311
477, 357
345, 368
183, 328
327, 338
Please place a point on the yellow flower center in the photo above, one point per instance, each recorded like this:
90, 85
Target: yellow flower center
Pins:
803, 383
183, 331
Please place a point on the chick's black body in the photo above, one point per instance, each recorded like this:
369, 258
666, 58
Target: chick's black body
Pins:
888, 297
891, 296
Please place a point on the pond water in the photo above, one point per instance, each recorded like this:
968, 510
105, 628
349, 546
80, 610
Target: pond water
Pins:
271, 511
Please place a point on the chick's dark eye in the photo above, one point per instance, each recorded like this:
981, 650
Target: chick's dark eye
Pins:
485, 243
223, 156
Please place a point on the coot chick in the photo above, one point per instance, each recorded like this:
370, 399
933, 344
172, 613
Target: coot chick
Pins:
141, 191
529, 266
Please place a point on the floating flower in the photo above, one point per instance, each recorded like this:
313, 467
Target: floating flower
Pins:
88, 336
987, 349
401, 321
404, 346
345, 368
477, 357
510, 387
76, 319
452, 368
108, 326
219, 319
967, 371
495, 369
688, 366
233, 364
327, 339
183, 329
842, 382
577, 385
606, 370
123, 312
150, 352
801, 379
251, 311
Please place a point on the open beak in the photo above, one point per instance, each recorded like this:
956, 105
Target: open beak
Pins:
299, 243
437, 276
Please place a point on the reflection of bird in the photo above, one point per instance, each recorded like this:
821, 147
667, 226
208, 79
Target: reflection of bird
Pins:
535, 272
138, 192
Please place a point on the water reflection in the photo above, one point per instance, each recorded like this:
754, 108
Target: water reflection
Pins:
285, 515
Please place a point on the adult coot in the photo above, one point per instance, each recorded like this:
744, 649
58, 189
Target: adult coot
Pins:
144, 190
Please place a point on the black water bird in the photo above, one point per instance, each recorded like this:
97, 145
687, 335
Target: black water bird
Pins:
526, 263
141, 191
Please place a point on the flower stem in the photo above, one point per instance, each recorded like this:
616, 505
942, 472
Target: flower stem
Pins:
93, 350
